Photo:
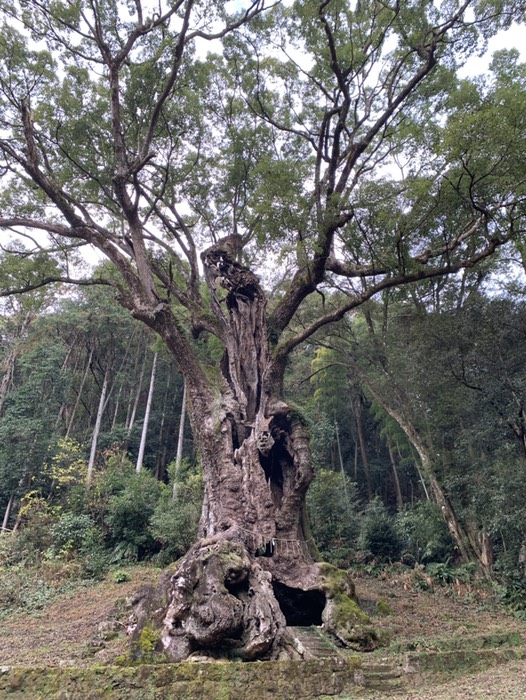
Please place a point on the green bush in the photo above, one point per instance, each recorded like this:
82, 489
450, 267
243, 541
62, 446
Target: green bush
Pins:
426, 535
128, 515
75, 536
120, 503
33, 537
333, 507
71, 532
95, 558
379, 535
8, 550
174, 523
120, 576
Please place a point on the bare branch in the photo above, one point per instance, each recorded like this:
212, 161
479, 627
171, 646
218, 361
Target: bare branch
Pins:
388, 282
45, 281
255, 9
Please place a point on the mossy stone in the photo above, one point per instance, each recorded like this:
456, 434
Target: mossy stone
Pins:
342, 615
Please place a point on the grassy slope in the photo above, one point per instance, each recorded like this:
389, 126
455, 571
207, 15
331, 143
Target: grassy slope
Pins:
67, 632
429, 620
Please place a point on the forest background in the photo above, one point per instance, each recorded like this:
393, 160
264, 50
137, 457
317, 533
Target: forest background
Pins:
415, 402
418, 397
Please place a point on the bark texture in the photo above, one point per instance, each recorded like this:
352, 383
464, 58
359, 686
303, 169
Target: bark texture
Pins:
252, 571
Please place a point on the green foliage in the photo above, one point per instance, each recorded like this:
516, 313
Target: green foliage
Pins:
512, 594
94, 558
120, 576
174, 521
425, 533
67, 467
448, 366
17, 267
445, 574
123, 516
137, 515
441, 573
23, 589
34, 537
30, 579
131, 501
71, 532
333, 507
379, 535
108, 117
322, 436
29, 414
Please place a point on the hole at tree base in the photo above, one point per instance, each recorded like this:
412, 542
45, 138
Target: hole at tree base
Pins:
301, 608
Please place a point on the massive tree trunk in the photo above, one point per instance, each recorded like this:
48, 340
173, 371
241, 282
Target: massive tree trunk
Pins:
252, 571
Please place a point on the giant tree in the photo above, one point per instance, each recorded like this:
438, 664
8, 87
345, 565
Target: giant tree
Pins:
224, 188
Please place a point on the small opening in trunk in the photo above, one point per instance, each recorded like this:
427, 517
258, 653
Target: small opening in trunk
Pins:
238, 587
301, 608
271, 464
266, 550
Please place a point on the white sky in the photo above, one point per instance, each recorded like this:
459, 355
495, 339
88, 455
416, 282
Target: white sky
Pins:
514, 37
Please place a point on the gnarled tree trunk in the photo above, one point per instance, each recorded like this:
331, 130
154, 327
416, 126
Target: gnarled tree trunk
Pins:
252, 571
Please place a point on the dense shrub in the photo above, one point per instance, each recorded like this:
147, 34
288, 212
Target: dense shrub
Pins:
33, 537
128, 514
174, 522
333, 512
122, 516
75, 536
426, 535
379, 535
71, 532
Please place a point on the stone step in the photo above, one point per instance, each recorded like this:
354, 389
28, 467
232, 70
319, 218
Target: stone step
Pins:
385, 686
382, 679
380, 666
383, 676
314, 643
386, 673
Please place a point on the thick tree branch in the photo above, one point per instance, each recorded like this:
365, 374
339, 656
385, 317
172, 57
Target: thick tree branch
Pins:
309, 276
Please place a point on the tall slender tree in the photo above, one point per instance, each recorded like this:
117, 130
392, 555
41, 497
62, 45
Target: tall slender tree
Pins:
146, 420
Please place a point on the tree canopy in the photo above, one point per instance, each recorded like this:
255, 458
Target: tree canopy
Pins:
334, 138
